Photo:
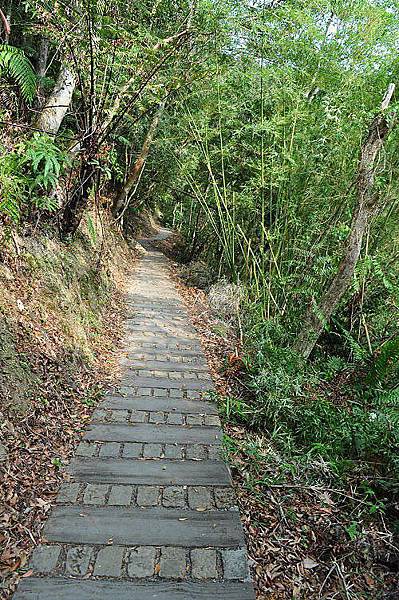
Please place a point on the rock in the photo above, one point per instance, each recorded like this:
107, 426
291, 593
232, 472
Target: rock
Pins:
3, 453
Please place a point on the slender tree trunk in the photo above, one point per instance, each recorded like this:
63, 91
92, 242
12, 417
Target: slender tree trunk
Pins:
134, 175
77, 203
5, 24
42, 57
41, 68
56, 107
367, 205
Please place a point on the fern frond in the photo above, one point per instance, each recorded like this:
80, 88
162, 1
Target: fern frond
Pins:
15, 64
389, 399
9, 206
387, 357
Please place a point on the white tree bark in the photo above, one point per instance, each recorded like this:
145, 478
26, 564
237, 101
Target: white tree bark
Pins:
58, 103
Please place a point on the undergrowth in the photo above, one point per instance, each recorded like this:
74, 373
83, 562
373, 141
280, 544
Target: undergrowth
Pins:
341, 412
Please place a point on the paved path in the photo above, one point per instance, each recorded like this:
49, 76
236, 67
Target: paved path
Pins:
149, 511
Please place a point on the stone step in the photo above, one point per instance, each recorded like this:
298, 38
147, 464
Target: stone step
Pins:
158, 434
101, 415
168, 304
156, 403
138, 308
162, 365
155, 451
183, 357
164, 341
162, 321
149, 472
187, 349
58, 588
144, 527
158, 392
170, 355
194, 497
180, 333
148, 511
167, 384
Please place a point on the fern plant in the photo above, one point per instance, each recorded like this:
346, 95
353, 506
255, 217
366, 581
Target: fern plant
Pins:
15, 64
386, 360
28, 176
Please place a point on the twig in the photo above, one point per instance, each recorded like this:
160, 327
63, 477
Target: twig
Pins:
318, 489
326, 579
346, 588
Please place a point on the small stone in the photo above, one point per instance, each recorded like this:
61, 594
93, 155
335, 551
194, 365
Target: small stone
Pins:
120, 495
110, 449
109, 562
78, 560
195, 452
212, 420
44, 558
214, 452
235, 564
85, 449
147, 495
141, 562
173, 451
132, 450
118, 416
152, 450
205, 377
203, 563
143, 392
191, 376
199, 498
173, 563
157, 417
174, 497
95, 493
138, 416
175, 419
194, 419
3, 453
100, 415
175, 375
68, 493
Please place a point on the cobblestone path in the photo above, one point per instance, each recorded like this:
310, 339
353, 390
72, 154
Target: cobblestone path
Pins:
149, 512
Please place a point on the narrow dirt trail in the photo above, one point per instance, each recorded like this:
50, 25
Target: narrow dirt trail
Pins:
149, 511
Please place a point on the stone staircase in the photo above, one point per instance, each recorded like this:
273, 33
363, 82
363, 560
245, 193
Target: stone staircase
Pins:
148, 512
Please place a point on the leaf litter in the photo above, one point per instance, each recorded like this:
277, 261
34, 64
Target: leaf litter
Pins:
296, 527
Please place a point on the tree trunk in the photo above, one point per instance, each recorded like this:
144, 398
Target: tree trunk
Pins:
42, 57
78, 201
367, 204
41, 69
123, 198
56, 107
6, 25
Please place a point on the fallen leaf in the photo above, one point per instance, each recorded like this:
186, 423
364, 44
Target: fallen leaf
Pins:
309, 563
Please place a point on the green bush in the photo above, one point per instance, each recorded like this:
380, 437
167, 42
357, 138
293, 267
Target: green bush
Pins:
305, 414
29, 174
